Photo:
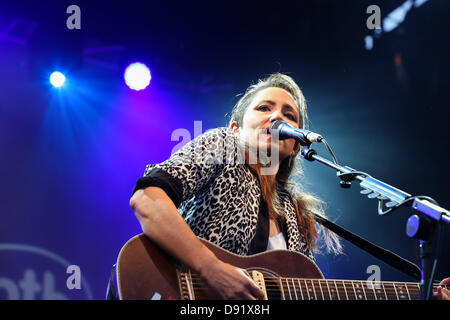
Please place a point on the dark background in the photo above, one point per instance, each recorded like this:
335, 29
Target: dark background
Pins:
70, 157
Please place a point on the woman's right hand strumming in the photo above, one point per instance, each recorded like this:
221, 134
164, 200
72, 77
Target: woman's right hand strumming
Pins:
163, 224
230, 282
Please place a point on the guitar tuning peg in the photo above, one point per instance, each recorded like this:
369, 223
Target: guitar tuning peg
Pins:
390, 204
373, 195
365, 191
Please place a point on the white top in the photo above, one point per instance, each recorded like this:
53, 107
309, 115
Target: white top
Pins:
277, 242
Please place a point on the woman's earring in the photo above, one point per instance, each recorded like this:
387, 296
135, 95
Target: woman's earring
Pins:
291, 156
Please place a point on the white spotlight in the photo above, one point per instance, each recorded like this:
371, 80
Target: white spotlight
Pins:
137, 76
57, 79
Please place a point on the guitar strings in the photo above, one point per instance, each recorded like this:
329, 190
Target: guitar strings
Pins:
337, 291
398, 285
296, 295
319, 282
299, 295
297, 287
312, 295
327, 293
386, 287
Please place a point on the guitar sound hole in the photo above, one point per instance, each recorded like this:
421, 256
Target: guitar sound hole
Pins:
273, 288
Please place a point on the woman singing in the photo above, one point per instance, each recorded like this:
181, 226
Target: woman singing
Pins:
237, 187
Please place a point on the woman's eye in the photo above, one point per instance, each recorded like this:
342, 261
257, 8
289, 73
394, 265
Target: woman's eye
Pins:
263, 108
291, 117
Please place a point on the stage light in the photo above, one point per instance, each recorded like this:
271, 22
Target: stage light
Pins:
137, 76
57, 79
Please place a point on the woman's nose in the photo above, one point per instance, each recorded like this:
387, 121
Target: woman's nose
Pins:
276, 115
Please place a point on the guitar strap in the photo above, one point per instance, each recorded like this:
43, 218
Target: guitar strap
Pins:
387, 256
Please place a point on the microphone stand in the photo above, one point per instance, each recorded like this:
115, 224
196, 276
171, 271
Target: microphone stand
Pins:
425, 226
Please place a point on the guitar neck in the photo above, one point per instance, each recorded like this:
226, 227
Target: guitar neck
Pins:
325, 289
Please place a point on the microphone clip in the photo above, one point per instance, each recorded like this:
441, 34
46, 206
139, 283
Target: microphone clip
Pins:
308, 153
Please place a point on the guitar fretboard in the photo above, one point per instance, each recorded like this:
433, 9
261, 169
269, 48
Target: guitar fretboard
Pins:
321, 289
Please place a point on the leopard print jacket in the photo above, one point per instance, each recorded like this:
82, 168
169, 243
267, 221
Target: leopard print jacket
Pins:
219, 196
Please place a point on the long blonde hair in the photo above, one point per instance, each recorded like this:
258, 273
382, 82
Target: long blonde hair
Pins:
290, 173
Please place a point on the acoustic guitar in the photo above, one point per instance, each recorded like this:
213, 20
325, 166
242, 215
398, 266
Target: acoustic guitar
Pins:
144, 271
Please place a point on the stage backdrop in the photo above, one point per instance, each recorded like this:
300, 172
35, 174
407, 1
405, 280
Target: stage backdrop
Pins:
70, 157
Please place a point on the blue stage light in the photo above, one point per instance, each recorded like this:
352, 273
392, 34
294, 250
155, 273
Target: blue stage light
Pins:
57, 79
137, 76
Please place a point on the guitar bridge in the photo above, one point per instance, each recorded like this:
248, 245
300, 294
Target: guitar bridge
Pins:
258, 277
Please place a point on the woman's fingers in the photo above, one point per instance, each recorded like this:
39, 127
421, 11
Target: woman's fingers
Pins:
256, 291
442, 293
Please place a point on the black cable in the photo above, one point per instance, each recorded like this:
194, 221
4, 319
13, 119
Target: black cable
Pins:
436, 253
329, 150
405, 202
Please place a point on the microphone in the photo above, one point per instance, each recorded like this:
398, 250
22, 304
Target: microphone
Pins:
286, 131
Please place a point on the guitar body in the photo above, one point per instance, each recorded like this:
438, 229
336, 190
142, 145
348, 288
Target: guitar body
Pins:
144, 271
